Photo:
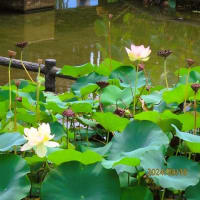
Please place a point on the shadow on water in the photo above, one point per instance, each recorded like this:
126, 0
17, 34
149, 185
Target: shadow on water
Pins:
76, 33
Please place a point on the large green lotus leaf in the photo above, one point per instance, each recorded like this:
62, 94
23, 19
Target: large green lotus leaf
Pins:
113, 95
178, 94
29, 105
155, 160
192, 192
184, 71
4, 95
66, 96
81, 107
153, 98
54, 103
85, 80
102, 150
90, 88
34, 160
193, 77
164, 120
77, 71
26, 116
136, 193
87, 157
137, 138
55, 107
153, 116
128, 161
35, 163
192, 141
110, 121
127, 76
165, 124
107, 66
27, 86
57, 130
186, 119
126, 180
4, 105
14, 183
9, 140
74, 181
9, 125
87, 122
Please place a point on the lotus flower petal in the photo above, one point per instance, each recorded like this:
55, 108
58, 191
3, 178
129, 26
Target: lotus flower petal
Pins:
139, 53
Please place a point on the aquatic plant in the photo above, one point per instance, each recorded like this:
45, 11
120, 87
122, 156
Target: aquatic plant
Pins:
21, 46
165, 54
95, 143
11, 55
39, 139
138, 53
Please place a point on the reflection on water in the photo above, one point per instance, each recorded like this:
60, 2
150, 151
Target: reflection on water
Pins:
63, 4
77, 35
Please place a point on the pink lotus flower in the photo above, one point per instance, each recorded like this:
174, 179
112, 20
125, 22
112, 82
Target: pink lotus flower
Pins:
139, 53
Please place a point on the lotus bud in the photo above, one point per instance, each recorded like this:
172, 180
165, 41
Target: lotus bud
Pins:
68, 113
17, 83
195, 87
148, 87
110, 16
120, 112
19, 99
11, 54
22, 45
140, 67
102, 84
190, 62
164, 53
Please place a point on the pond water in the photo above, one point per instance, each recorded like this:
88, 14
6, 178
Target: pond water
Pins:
76, 32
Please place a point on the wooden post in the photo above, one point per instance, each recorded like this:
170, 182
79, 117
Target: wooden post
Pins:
50, 78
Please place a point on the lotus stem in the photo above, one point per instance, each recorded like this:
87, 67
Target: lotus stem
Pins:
189, 155
165, 72
195, 113
109, 44
15, 116
146, 77
100, 106
186, 89
67, 133
25, 68
38, 96
178, 76
74, 132
87, 134
135, 88
128, 179
15, 150
107, 139
9, 82
163, 195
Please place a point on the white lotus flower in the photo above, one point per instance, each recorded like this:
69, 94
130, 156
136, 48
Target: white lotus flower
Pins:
39, 139
138, 53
